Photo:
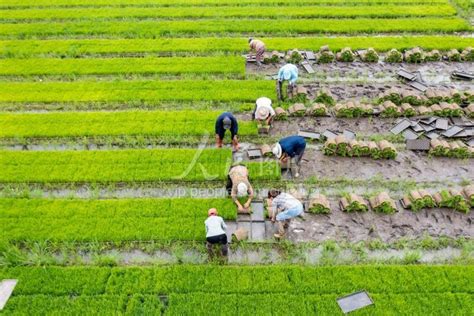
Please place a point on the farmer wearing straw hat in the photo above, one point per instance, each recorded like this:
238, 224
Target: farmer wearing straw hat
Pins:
288, 72
292, 148
283, 207
264, 112
227, 121
258, 47
238, 185
215, 232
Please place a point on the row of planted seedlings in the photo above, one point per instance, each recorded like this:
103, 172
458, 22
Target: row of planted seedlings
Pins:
458, 200
326, 55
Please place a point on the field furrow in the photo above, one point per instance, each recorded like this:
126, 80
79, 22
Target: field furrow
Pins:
150, 29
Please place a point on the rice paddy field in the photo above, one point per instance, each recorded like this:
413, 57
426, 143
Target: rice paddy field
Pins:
108, 162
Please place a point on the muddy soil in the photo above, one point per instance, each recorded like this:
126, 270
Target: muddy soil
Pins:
356, 227
433, 73
408, 165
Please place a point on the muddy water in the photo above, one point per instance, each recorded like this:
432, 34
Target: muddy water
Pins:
408, 165
357, 227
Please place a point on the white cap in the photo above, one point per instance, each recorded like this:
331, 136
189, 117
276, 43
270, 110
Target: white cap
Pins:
263, 101
277, 151
242, 189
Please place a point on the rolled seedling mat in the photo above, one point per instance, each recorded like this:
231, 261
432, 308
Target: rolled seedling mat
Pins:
387, 149
280, 114
297, 109
266, 150
319, 204
330, 147
383, 203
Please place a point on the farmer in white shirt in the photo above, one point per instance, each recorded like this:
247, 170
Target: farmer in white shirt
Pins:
215, 232
284, 207
264, 112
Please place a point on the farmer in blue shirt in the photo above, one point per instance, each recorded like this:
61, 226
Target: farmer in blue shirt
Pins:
288, 72
227, 121
292, 148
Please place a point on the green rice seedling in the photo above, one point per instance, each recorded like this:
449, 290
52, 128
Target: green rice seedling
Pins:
345, 55
434, 55
325, 55
468, 54
281, 114
419, 199
407, 110
294, 57
394, 56
317, 109
375, 152
355, 148
387, 150
325, 96
439, 148
342, 148
330, 147
469, 194
454, 55
453, 199
415, 55
382, 203
458, 150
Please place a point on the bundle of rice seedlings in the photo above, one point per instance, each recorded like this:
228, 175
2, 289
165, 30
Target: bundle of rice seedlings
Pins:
266, 150
392, 94
387, 150
423, 110
353, 203
355, 150
411, 97
419, 199
445, 109
382, 203
458, 150
439, 148
298, 109
407, 110
469, 110
294, 57
415, 55
468, 54
342, 144
434, 55
317, 109
345, 55
389, 109
330, 147
364, 148
394, 56
281, 114
452, 199
325, 55
369, 55
319, 204
325, 96
437, 95
469, 194
272, 58
454, 55
436, 109
455, 96
374, 150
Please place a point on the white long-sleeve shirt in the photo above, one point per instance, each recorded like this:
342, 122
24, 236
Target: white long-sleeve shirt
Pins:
285, 201
215, 226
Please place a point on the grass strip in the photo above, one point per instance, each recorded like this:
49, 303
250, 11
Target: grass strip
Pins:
123, 66
81, 47
109, 220
316, 11
129, 123
134, 91
67, 3
147, 29
124, 166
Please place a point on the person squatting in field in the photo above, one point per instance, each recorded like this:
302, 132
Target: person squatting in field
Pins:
283, 207
288, 72
238, 185
290, 150
264, 113
215, 232
258, 47
227, 121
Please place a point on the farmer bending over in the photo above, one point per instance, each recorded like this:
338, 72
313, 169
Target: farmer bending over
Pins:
227, 121
283, 207
258, 47
292, 148
264, 112
288, 72
215, 232
238, 185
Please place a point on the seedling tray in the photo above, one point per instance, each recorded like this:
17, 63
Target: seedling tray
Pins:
442, 124
309, 134
254, 153
6, 290
309, 69
400, 127
354, 301
406, 75
418, 86
418, 144
452, 131
329, 134
410, 134
350, 135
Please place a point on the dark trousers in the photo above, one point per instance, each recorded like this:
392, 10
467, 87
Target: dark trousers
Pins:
214, 240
